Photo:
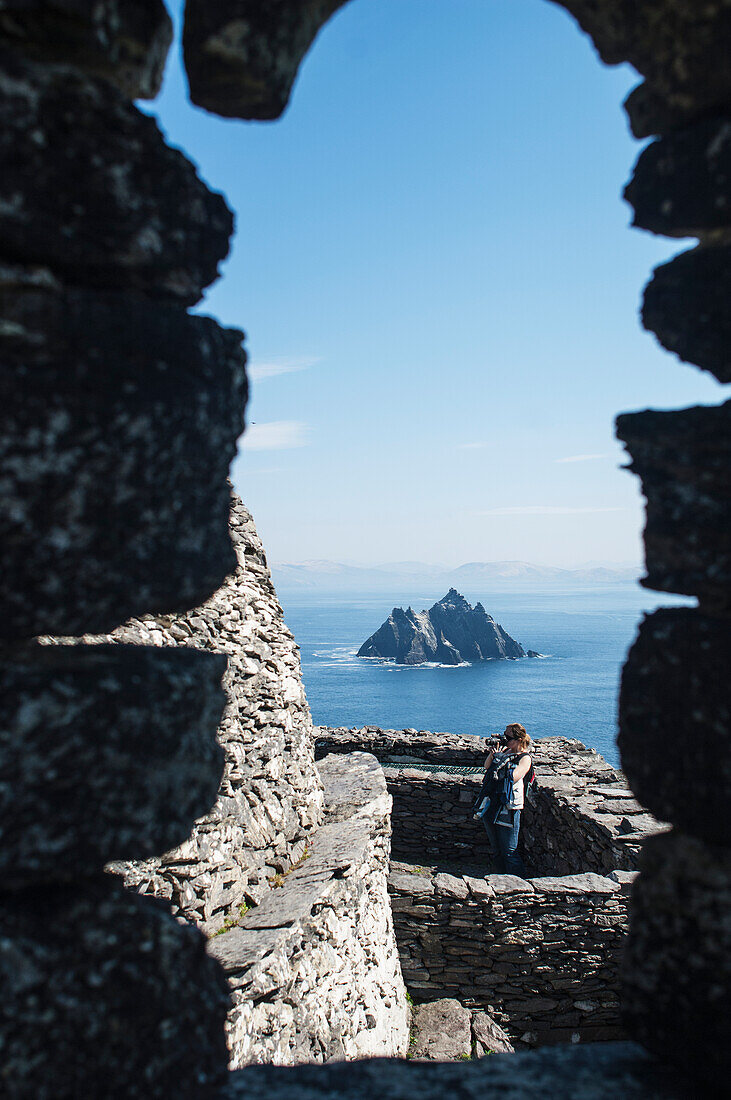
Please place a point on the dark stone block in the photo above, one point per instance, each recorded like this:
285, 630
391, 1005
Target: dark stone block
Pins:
118, 421
650, 114
677, 970
106, 752
595, 1071
680, 185
89, 187
124, 41
688, 307
683, 460
681, 47
106, 995
675, 720
242, 56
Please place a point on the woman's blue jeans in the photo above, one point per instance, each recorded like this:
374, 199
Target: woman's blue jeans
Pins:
504, 843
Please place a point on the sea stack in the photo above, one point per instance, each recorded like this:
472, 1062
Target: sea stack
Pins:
449, 633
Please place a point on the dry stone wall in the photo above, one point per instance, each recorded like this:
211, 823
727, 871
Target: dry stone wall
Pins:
541, 956
270, 796
581, 816
314, 969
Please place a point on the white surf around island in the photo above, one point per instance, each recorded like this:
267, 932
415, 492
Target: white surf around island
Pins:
570, 691
340, 656
451, 632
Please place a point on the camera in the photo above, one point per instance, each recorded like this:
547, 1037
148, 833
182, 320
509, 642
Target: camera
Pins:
497, 741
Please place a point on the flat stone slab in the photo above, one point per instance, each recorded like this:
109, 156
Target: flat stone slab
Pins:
575, 884
624, 878
488, 1037
479, 888
242, 947
509, 884
450, 884
416, 883
441, 1031
350, 783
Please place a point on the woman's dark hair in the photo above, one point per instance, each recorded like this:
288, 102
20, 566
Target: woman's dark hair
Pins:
516, 732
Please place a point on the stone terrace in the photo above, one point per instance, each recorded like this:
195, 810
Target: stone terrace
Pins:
581, 817
542, 956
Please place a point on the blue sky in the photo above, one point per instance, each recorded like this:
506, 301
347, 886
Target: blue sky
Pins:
439, 287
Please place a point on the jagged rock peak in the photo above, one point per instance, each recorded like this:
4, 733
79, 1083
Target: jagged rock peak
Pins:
451, 632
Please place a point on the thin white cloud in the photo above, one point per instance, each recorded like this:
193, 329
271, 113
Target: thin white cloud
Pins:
544, 510
580, 458
472, 446
259, 372
276, 435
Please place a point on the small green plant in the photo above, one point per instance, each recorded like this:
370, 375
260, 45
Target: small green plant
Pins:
409, 1000
232, 921
278, 880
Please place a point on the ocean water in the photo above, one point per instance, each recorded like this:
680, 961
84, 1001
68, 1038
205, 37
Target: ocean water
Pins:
571, 691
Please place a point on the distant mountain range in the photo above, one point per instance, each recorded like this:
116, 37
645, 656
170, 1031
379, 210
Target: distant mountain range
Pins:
410, 576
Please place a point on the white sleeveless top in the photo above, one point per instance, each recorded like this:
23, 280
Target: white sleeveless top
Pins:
518, 800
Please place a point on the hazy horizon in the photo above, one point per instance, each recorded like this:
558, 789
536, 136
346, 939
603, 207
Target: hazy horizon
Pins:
442, 566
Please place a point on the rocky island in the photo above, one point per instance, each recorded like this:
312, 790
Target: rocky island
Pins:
451, 632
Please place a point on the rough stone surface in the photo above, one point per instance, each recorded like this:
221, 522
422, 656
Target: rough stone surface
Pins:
242, 56
580, 817
488, 1037
124, 41
675, 707
270, 797
676, 991
314, 969
541, 957
89, 188
118, 420
105, 994
83, 779
402, 746
687, 304
650, 114
683, 460
680, 46
597, 1071
450, 632
681, 185
441, 1031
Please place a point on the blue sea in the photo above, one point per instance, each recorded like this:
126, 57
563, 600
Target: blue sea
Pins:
571, 691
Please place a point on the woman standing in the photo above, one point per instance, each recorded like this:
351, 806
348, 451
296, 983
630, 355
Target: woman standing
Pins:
504, 836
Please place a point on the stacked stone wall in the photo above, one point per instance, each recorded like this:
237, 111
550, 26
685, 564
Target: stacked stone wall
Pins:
580, 817
541, 956
270, 797
314, 970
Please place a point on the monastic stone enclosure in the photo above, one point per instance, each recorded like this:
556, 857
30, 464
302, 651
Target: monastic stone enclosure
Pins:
270, 797
119, 418
542, 956
581, 817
